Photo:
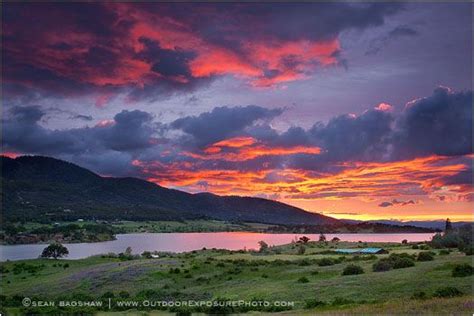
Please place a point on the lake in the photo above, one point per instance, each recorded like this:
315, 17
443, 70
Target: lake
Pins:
181, 242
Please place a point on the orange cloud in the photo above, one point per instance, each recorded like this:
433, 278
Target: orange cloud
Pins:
360, 180
246, 148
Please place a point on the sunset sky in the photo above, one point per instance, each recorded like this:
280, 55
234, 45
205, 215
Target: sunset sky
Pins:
354, 110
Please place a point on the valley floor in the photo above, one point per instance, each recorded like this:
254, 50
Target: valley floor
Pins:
309, 283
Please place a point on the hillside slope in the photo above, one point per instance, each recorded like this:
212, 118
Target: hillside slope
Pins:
35, 187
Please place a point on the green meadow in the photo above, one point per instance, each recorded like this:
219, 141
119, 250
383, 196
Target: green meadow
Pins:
312, 282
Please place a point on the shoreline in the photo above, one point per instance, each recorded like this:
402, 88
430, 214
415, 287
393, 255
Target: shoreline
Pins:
208, 232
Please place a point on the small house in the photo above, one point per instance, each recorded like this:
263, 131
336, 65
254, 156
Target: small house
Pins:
363, 251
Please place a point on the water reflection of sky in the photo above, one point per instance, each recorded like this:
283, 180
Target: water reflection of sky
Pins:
180, 242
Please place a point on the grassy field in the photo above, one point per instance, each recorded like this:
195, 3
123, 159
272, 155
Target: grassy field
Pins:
280, 275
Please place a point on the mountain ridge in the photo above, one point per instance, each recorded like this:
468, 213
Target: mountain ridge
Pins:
50, 188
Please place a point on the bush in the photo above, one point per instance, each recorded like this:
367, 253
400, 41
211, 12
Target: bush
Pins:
415, 247
325, 262
301, 250
382, 265
419, 295
468, 250
312, 303
425, 256
462, 270
447, 291
444, 252
403, 262
352, 269
341, 301
303, 280
124, 294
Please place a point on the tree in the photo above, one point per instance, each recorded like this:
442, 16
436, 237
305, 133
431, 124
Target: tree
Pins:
263, 246
335, 239
448, 226
55, 250
322, 237
304, 239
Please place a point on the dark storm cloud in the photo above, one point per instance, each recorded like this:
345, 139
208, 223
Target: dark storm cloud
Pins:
222, 122
437, 125
74, 49
348, 137
400, 31
167, 62
81, 117
105, 145
229, 23
28, 114
397, 202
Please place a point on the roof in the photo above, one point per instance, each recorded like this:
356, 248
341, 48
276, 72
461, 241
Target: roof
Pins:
347, 250
363, 250
371, 250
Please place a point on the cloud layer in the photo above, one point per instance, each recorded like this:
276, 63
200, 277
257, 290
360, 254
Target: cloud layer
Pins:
424, 151
152, 49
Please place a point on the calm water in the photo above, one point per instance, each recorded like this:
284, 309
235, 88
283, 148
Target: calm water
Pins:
180, 242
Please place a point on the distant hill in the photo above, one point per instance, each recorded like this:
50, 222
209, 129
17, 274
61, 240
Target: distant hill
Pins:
35, 187
435, 224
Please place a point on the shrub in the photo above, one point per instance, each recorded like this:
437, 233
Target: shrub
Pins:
146, 255
124, 294
303, 280
462, 270
325, 262
415, 247
312, 303
419, 295
403, 262
304, 262
425, 256
301, 250
341, 301
382, 265
444, 252
447, 291
314, 272
263, 246
468, 250
352, 269
108, 294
